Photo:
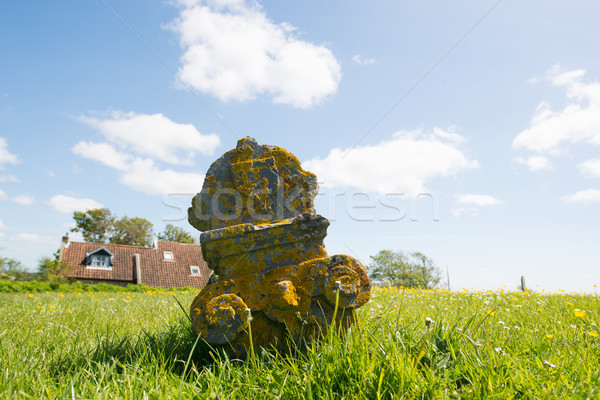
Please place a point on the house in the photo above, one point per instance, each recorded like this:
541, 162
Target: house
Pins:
164, 265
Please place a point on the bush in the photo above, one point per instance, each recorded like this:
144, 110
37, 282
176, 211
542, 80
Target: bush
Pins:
7, 286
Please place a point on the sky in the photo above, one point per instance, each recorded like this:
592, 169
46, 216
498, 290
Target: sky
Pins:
467, 130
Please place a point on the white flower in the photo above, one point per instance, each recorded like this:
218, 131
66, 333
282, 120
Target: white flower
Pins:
501, 322
499, 350
548, 363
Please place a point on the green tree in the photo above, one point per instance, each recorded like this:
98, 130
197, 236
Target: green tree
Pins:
14, 270
177, 234
50, 269
394, 268
101, 226
132, 231
95, 225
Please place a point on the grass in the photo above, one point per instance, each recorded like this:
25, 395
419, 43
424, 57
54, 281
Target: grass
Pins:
138, 345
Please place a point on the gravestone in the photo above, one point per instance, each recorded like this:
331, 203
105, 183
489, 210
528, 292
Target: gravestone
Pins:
263, 240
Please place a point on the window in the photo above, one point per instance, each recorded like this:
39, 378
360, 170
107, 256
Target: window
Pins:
194, 270
168, 255
100, 261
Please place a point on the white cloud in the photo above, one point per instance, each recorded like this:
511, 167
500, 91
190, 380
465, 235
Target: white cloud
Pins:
8, 178
535, 163
479, 200
51, 173
465, 212
2, 226
584, 196
363, 61
145, 177
24, 200
590, 167
32, 238
6, 157
67, 204
141, 174
233, 51
151, 135
104, 153
403, 164
3, 196
577, 122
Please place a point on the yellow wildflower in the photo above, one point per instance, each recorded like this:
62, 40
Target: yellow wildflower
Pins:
570, 304
490, 312
579, 313
593, 334
549, 336
30, 295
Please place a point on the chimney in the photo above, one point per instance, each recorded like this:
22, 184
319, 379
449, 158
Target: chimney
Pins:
137, 268
64, 243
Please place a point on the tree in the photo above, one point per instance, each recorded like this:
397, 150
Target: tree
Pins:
95, 225
394, 268
101, 226
132, 231
14, 270
50, 269
177, 234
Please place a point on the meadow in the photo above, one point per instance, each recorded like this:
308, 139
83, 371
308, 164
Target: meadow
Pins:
409, 344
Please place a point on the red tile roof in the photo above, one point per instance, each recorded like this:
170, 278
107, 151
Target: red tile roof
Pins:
155, 271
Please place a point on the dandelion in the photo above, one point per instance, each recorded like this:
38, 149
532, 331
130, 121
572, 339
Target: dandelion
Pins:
490, 312
579, 313
248, 314
30, 296
549, 336
593, 334
570, 304
61, 295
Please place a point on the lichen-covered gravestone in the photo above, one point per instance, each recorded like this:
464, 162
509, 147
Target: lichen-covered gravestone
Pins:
264, 242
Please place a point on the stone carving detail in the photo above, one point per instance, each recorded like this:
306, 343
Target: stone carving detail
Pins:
264, 242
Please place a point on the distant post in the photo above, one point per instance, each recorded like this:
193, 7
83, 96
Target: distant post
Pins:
523, 287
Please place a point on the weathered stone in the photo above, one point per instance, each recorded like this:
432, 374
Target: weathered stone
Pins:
264, 242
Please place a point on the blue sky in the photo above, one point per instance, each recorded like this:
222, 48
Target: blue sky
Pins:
466, 130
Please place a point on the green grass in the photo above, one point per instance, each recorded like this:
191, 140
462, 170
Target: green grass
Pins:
138, 345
